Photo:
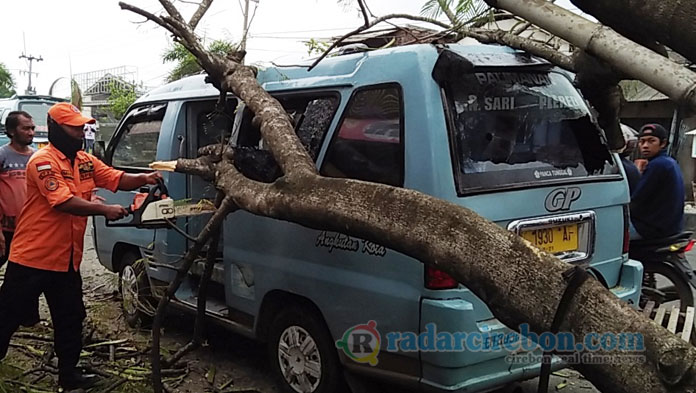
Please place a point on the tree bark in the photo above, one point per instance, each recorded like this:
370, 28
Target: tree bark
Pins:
519, 283
668, 22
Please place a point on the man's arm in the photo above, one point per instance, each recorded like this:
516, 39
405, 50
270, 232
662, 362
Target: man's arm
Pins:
80, 207
131, 182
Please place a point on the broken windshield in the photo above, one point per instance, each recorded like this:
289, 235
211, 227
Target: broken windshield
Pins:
518, 129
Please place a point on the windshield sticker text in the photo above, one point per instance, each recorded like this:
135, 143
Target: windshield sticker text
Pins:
486, 78
553, 173
473, 104
553, 102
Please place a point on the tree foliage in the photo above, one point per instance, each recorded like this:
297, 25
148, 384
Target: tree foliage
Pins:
316, 47
121, 98
187, 63
459, 12
7, 84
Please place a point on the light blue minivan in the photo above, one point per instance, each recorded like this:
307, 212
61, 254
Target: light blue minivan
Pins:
495, 130
37, 106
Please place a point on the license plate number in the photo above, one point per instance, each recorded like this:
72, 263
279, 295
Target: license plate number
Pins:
554, 239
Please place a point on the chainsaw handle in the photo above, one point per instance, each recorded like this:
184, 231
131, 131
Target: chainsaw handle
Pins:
136, 214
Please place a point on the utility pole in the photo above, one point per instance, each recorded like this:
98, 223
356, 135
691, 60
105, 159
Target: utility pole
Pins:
247, 23
245, 31
30, 89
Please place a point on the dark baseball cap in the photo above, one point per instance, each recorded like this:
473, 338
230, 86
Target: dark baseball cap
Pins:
653, 130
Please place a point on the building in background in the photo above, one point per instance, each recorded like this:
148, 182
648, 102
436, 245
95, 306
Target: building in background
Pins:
97, 87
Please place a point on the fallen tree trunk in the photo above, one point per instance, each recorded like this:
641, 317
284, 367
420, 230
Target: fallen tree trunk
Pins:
668, 22
519, 283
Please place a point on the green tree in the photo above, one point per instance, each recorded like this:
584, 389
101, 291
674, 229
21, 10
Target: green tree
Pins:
120, 99
187, 63
316, 46
7, 83
459, 12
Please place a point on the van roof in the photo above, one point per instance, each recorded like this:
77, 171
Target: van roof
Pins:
33, 97
346, 69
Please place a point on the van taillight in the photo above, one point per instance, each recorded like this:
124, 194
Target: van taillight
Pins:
626, 235
437, 279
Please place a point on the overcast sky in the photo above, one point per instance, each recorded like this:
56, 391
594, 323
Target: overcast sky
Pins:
88, 35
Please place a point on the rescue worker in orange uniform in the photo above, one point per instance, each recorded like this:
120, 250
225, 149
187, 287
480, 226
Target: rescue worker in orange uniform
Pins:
47, 246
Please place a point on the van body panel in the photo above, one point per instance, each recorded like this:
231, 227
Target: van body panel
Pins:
271, 254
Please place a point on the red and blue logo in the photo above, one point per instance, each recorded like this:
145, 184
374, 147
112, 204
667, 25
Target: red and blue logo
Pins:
361, 343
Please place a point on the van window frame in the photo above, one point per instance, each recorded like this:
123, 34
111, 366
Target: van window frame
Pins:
190, 151
116, 137
448, 105
402, 127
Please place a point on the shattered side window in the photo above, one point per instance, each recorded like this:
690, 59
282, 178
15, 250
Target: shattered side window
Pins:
311, 116
521, 128
367, 145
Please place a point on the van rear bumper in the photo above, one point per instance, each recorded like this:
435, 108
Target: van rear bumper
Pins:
485, 376
630, 282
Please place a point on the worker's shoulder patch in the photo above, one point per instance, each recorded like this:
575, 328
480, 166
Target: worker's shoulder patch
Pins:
51, 183
43, 166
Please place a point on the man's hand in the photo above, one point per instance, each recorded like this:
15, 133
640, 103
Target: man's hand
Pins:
114, 212
131, 181
2, 244
152, 177
641, 164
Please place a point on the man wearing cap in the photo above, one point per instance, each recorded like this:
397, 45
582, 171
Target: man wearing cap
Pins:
48, 242
657, 203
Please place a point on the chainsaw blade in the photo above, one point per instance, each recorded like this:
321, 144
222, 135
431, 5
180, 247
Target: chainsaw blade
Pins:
193, 209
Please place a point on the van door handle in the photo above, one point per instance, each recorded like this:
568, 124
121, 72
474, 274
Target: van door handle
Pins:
182, 146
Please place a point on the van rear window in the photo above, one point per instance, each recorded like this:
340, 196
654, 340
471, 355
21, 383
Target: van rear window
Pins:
520, 129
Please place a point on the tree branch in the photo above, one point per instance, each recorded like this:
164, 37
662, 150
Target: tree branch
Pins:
514, 41
171, 10
213, 225
199, 325
372, 24
276, 128
364, 12
198, 15
147, 15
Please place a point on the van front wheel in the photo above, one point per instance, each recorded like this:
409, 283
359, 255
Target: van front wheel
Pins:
135, 291
302, 353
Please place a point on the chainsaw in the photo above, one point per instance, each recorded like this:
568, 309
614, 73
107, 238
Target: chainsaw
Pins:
152, 208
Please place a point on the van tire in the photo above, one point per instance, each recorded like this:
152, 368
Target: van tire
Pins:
304, 323
135, 290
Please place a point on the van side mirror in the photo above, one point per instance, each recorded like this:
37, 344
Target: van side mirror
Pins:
99, 150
